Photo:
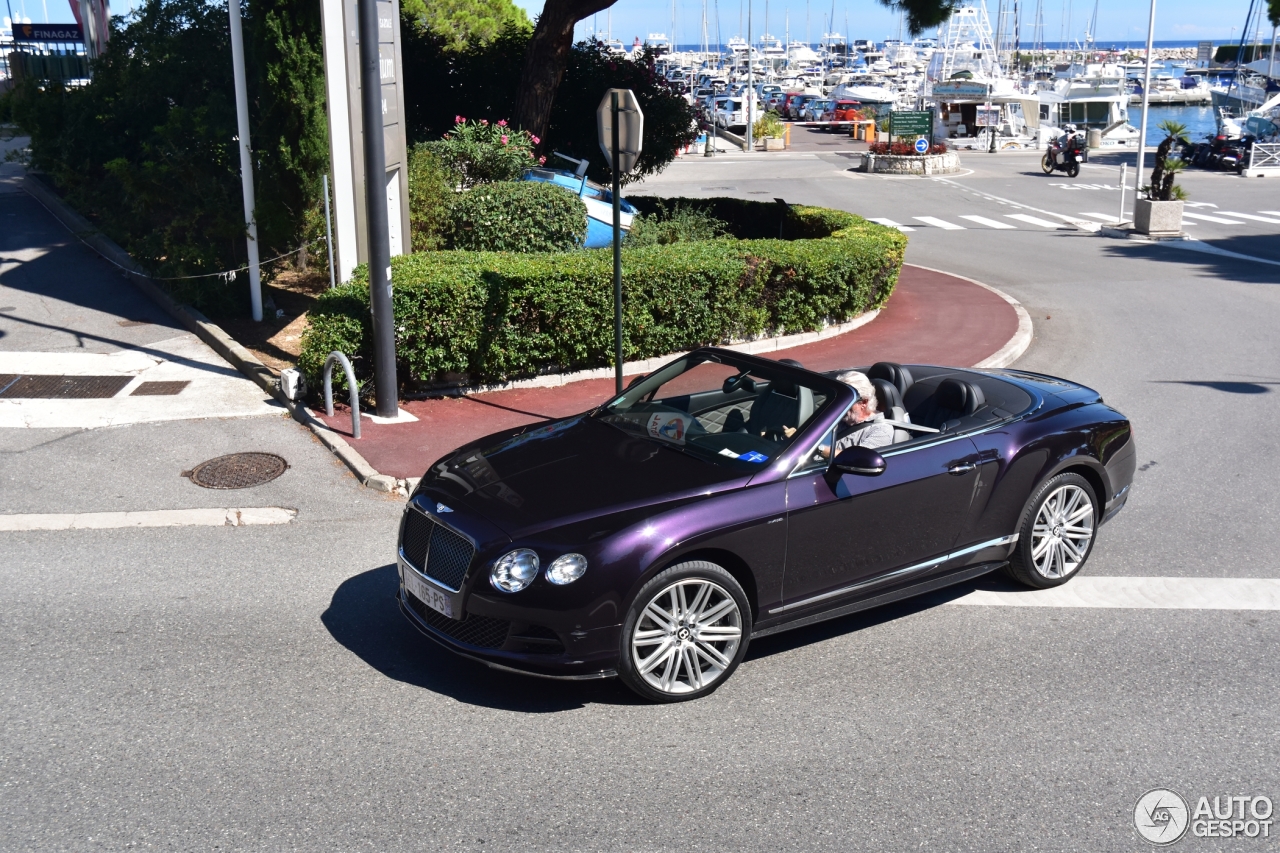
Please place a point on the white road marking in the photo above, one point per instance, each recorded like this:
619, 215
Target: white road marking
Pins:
213, 517
880, 220
216, 389
1270, 212
939, 223
1105, 217
1031, 220
1189, 215
990, 223
1272, 220
1146, 593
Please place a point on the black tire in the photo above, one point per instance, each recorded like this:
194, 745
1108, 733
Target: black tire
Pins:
1073, 169
1037, 570
1046, 164
681, 648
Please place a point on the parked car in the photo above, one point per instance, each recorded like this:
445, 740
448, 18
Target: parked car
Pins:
846, 111
813, 109
655, 535
788, 102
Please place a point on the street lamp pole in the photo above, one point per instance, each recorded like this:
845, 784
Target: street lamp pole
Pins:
246, 157
1146, 101
750, 79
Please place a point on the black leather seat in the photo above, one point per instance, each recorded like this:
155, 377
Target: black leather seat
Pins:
953, 398
783, 404
895, 374
889, 403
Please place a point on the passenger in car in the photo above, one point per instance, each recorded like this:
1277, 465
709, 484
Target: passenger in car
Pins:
862, 425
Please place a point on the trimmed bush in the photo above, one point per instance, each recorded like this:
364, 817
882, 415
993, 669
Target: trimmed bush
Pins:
518, 216
680, 224
431, 194
486, 316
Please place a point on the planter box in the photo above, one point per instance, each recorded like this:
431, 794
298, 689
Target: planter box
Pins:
771, 144
1157, 218
915, 164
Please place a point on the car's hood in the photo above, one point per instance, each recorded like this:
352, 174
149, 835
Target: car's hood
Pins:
560, 472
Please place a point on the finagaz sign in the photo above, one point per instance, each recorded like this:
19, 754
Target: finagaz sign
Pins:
47, 32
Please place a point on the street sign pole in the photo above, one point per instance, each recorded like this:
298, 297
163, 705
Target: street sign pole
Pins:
617, 248
246, 159
375, 195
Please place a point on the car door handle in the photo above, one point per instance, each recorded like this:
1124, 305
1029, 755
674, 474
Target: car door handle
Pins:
962, 468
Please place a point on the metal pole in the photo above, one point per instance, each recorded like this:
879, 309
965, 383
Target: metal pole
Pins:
246, 157
617, 249
1123, 177
750, 79
375, 196
1146, 101
1271, 57
328, 232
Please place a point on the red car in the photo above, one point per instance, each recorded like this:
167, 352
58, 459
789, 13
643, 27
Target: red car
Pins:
845, 111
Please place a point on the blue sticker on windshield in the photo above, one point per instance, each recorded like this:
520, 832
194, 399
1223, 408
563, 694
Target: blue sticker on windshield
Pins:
753, 456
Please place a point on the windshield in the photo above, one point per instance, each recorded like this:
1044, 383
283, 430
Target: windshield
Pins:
727, 413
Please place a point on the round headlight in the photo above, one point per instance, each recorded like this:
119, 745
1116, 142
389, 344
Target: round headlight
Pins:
514, 571
566, 569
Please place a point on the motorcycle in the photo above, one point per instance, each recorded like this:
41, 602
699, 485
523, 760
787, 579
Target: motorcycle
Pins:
1064, 155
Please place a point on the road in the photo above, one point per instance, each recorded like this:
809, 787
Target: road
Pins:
255, 688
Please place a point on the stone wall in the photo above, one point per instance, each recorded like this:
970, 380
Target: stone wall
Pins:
930, 164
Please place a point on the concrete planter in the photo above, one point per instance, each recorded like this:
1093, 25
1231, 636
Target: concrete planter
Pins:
896, 164
1157, 218
771, 144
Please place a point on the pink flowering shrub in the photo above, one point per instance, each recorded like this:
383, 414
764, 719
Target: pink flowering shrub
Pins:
479, 152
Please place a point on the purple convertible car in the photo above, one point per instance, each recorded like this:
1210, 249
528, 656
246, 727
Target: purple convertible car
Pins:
651, 538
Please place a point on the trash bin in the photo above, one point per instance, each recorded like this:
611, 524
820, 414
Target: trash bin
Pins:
1095, 138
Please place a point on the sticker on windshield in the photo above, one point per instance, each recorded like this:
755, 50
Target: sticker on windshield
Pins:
727, 452
669, 426
753, 456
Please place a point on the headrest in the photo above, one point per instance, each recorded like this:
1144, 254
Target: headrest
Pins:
896, 374
785, 387
887, 395
959, 396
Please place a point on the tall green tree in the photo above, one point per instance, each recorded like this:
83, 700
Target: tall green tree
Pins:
148, 148
466, 22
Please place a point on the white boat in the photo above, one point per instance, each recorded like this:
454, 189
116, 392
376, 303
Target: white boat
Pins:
1092, 96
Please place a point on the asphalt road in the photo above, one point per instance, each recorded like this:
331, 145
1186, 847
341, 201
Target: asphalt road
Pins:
255, 688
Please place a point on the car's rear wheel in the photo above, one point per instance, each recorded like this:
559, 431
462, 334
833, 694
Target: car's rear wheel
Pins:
1057, 532
685, 633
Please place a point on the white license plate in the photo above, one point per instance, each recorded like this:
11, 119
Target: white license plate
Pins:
427, 594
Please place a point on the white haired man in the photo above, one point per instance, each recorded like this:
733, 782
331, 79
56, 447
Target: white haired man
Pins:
862, 425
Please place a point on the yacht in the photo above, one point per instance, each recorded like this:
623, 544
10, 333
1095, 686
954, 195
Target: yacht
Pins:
1092, 96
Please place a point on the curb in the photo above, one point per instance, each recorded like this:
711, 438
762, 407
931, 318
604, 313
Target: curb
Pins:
209, 332
1016, 345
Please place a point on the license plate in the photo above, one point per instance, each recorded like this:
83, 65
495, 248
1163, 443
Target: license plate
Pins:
427, 594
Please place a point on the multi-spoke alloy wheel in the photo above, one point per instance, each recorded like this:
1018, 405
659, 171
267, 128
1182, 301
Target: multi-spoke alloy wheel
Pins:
1057, 532
1062, 532
685, 633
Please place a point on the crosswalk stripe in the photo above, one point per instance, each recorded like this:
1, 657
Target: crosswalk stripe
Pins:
1189, 215
1105, 217
939, 223
1270, 212
1031, 220
1250, 216
990, 223
1140, 593
880, 220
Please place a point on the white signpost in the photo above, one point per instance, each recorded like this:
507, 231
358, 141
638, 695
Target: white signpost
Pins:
346, 150
620, 126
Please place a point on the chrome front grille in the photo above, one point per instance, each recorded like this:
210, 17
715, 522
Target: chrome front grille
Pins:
435, 550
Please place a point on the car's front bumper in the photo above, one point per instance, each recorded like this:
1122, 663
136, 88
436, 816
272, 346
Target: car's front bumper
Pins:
517, 641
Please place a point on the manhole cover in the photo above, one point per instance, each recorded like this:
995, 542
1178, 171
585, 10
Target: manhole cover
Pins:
237, 471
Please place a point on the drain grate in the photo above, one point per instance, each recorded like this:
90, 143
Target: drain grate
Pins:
160, 389
237, 471
18, 387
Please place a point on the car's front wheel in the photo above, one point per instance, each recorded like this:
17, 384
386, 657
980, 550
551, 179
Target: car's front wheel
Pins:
1057, 532
685, 633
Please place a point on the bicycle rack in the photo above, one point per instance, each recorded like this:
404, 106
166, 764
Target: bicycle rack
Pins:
351, 385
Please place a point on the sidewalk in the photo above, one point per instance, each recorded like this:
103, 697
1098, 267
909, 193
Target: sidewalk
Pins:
932, 318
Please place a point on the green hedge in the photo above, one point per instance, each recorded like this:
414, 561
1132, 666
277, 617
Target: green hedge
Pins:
518, 216
484, 317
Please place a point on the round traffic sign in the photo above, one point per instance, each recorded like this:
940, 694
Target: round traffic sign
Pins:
922, 145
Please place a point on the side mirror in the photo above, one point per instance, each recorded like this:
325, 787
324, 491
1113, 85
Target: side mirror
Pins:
859, 460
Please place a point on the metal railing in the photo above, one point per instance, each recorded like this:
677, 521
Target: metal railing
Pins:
351, 386
1264, 155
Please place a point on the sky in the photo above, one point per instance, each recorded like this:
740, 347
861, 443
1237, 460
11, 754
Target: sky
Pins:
1118, 20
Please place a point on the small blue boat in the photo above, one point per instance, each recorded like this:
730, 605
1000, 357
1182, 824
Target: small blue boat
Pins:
599, 201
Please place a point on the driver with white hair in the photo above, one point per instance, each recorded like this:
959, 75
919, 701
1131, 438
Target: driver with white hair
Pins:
862, 425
